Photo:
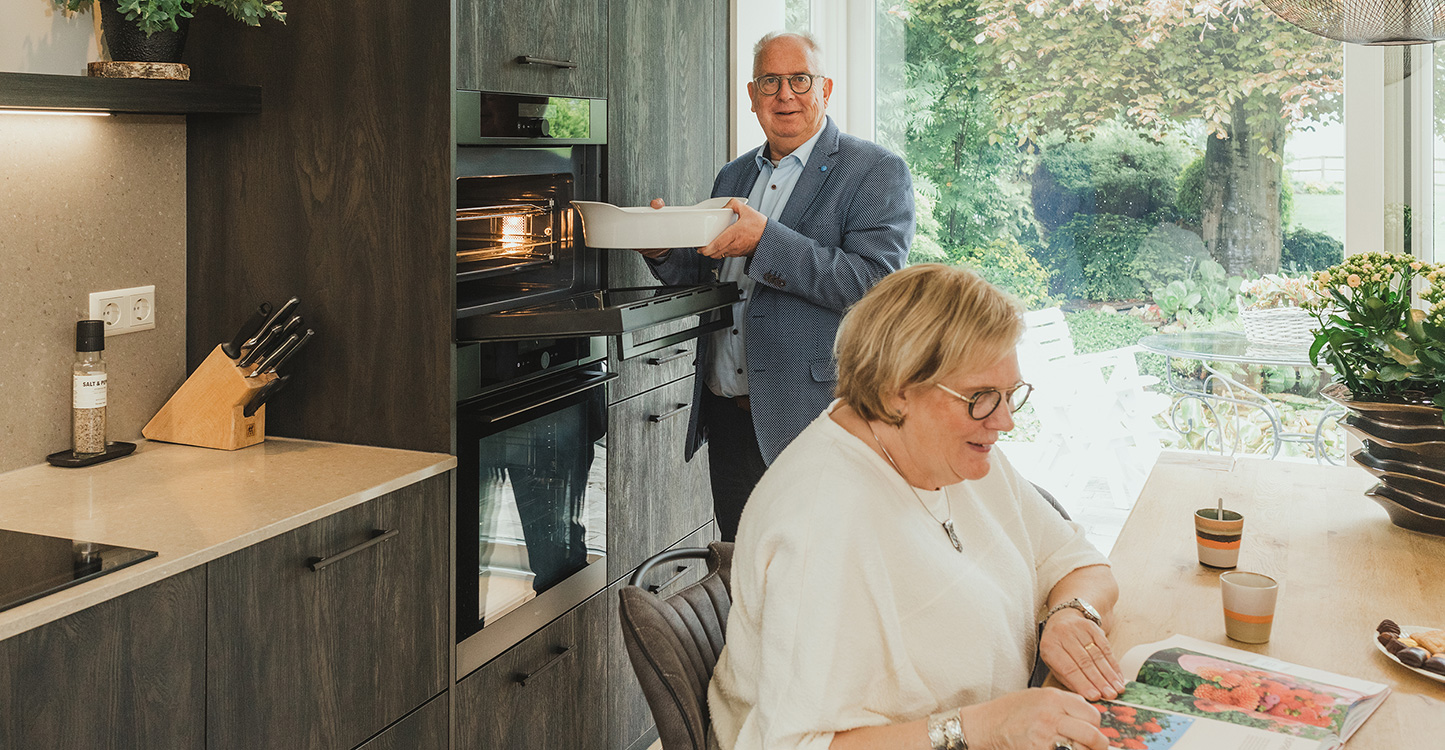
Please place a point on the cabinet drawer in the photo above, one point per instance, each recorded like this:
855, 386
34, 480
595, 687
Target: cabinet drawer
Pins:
648, 371
654, 497
424, 729
322, 636
493, 34
543, 692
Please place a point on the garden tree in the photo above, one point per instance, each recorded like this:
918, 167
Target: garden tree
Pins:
1073, 65
943, 122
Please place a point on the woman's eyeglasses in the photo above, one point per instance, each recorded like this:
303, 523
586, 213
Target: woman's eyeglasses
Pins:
982, 404
800, 83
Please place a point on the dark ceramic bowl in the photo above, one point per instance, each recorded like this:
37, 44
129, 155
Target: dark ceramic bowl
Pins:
1396, 504
1379, 411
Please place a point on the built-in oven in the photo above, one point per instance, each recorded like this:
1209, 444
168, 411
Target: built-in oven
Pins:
532, 326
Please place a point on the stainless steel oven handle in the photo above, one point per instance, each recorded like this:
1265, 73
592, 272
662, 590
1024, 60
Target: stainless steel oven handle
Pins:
558, 396
378, 536
679, 354
529, 60
522, 677
668, 414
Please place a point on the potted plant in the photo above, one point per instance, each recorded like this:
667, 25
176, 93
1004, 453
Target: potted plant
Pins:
155, 30
1388, 362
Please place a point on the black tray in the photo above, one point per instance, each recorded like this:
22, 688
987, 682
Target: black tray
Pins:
69, 460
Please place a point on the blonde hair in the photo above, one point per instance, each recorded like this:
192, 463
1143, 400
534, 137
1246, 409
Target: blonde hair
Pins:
917, 325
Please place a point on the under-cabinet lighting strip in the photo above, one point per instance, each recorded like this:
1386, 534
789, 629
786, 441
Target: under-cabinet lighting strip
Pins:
73, 113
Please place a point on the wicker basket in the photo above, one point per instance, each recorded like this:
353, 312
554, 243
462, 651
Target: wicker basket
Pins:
1279, 327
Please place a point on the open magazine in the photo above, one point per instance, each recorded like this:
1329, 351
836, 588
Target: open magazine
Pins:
1189, 694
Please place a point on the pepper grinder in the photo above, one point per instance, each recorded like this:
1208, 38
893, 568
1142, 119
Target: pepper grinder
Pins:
88, 394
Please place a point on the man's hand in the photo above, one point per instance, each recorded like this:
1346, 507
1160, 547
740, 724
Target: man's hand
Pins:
655, 253
739, 239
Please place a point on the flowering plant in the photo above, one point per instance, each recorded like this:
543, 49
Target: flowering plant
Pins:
1271, 291
1380, 347
1267, 693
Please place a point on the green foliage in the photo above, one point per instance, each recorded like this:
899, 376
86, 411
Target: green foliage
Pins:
1308, 250
1101, 330
162, 15
1206, 291
1118, 170
1011, 266
1190, 200
1091, 256
1168, 252
568, 118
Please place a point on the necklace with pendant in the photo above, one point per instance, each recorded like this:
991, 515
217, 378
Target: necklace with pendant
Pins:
947, 523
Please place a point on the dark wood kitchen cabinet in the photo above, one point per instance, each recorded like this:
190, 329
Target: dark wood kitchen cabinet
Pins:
126, 673
545, 692
424, 729
318, 639
566, 41
654, 498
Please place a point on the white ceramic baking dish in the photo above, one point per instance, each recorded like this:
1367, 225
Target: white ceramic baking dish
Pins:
606, 225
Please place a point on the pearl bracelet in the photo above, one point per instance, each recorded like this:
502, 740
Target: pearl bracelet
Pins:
945, 731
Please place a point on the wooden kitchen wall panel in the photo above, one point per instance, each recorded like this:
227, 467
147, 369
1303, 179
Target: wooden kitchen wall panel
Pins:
492, 34
668, 112
654, 497
546, 692
339, 192
127, 673
325, 659
424, 729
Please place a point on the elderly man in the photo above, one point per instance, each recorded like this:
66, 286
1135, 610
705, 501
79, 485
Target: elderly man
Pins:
828, 215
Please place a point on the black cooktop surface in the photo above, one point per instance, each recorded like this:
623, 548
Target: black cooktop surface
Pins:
32, 565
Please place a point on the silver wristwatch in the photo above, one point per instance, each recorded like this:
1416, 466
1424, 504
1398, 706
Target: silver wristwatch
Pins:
945, 731
1084, 607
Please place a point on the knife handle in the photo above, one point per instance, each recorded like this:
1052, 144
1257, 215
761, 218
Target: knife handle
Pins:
263, 393
232, 348
261, 343
268, 363
289, 352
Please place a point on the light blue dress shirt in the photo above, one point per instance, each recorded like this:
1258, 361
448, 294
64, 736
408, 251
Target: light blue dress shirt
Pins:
728, 376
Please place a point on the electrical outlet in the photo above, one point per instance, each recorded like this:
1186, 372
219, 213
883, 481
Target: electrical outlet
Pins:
125, 310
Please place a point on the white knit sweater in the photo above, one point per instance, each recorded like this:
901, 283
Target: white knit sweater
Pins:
851, 608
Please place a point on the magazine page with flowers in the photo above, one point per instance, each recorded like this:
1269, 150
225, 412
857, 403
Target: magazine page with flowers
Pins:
1202, 689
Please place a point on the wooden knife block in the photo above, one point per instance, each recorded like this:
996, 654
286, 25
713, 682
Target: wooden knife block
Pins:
206, 410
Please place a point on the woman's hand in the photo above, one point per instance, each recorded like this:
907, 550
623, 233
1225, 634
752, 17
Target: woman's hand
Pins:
1078, 654
1036, 719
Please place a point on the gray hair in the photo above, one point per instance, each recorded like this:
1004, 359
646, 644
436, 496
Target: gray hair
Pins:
815, 52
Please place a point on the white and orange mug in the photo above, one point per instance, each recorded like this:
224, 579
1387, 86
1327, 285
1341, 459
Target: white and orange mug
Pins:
1218, 538
1249, 600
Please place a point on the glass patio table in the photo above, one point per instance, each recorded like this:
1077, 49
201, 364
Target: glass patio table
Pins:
1221, 395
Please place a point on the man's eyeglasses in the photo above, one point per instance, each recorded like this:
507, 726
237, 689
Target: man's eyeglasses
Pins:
800, 83
982, 405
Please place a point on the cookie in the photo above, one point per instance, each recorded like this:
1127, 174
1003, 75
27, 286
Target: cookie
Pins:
1431, 640
1388, 626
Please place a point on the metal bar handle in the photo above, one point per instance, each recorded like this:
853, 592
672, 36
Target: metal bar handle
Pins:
529, 60
656, 587
378, 536
584, 385
679, 354
668, 414
522, 677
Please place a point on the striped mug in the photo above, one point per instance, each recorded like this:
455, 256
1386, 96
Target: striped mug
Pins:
1249, 600
1218, 539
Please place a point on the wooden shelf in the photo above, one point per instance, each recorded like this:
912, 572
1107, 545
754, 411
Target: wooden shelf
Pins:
125, 95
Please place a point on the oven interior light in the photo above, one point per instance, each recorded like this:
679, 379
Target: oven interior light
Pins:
516, 234
58, 112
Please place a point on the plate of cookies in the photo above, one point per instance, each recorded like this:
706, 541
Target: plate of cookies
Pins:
1415, 647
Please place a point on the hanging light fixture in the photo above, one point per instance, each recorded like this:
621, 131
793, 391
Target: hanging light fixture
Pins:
1375, 22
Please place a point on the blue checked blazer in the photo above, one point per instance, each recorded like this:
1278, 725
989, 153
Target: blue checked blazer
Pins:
848, 223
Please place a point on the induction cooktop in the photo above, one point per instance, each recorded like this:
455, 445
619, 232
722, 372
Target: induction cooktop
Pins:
33, 565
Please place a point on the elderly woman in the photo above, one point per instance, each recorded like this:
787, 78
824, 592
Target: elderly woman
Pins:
894, 574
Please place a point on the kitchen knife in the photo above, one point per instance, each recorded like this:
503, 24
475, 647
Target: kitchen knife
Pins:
260, 346
286, 355
232, 348
264, 392
276, 354
279, 316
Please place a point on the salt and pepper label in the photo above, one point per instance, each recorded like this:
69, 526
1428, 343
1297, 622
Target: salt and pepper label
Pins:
89, 391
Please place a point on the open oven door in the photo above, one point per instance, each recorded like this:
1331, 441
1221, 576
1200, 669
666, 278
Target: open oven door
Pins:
630, 314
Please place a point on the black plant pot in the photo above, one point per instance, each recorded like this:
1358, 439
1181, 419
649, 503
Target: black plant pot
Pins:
129, 44
1404, 447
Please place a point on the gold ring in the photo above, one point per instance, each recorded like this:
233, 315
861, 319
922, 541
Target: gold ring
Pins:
1089, 645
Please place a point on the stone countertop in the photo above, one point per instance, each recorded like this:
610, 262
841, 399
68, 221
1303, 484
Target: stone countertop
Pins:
192, 505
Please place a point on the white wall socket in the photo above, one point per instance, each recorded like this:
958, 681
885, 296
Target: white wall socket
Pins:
125, 310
